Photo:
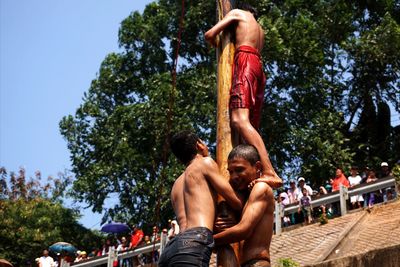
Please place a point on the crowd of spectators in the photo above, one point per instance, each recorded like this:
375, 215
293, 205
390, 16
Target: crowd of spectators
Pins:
300, 193
130, 241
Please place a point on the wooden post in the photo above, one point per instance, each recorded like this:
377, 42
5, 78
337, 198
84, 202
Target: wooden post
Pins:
226, 256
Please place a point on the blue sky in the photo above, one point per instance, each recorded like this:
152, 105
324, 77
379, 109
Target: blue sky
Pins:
49, 53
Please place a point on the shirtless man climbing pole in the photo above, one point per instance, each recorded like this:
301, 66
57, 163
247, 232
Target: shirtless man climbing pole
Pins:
254, 230
248, 83
193, 197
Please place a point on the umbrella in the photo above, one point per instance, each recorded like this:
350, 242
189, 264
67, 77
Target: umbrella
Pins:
61, 247
5, 263
115, 227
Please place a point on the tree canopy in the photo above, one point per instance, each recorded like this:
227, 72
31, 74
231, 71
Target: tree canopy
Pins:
333, 71
33, 218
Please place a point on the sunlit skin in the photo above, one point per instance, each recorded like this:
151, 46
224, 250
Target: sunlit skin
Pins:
257, 215
248, 32
194, 193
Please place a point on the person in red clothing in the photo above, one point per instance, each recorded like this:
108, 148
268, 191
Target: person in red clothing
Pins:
338, 180
248, 83
136, 236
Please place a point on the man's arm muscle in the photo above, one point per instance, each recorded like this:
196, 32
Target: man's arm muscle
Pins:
232, 16
253, 212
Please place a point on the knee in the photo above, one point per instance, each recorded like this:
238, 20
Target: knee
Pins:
238, 122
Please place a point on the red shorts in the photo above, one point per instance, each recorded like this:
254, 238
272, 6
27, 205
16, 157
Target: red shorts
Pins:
248, 83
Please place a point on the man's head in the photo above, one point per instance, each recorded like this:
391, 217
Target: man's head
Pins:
248, 7
244, 166
339, 172
301, 181
385, 167
45, 253
185, 145
354, 170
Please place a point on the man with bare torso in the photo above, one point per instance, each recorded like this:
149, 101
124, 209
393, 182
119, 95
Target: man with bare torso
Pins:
254, 230
248, 83
193, 198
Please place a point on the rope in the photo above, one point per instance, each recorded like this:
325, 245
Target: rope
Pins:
170, 113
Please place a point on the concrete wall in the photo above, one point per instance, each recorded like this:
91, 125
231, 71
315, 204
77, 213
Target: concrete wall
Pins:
387, 257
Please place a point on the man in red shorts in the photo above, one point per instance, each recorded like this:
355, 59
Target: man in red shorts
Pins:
248, 83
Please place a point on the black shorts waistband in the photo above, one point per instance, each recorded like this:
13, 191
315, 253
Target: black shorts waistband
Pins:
194, 229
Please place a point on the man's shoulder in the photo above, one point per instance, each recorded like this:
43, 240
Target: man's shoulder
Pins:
262, 190
236, 11
205, 163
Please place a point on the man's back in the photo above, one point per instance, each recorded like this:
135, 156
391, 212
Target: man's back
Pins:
248, 31
193, 199
198, 197
178, 202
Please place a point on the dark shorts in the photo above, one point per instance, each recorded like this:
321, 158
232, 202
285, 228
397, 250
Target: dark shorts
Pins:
248, 83
190, 248
257, 263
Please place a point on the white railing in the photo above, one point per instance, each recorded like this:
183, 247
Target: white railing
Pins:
338, 196
118, 255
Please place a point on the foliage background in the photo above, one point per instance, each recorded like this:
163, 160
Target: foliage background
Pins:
333, 73
33, 217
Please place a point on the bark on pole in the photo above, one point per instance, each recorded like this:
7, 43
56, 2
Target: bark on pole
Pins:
226, 256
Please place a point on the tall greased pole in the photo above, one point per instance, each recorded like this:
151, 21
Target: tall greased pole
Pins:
227, 256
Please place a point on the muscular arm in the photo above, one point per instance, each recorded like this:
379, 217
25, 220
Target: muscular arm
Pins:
232, 16
220, 184
252, 214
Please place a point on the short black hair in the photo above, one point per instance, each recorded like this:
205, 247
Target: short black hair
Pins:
247, 152
183, 145
248, 7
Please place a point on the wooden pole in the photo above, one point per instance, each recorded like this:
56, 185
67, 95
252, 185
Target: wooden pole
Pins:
227, 256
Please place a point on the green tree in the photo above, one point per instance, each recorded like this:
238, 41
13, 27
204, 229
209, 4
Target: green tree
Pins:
33, 218
118, 135
330, 65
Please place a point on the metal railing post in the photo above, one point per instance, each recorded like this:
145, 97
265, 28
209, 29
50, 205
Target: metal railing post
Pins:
163, 241
278, 213
343, 197
112, 256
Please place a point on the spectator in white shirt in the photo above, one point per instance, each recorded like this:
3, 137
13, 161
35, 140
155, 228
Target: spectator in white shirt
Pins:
46, 260
355, 179
174, 230
302, 184
292, 192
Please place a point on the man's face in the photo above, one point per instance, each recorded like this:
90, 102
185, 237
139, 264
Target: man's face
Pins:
45, 253
241, 173
338, 172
